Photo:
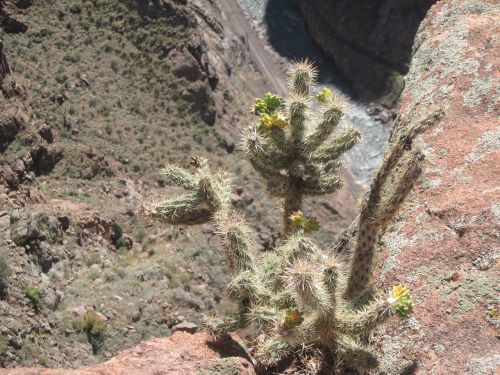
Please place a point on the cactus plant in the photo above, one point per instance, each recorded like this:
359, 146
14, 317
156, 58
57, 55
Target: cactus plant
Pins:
302, 298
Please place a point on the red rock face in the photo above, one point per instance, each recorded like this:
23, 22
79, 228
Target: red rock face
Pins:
180, 354
445, 245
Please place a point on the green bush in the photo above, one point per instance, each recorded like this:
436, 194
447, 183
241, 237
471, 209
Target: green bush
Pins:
118, 239
3, 346
93, 327
75, 9
4, 275
140, 235
34, 295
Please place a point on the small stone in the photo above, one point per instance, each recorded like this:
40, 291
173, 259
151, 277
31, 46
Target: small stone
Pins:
101, 316
136, 316
185, 327
79, 310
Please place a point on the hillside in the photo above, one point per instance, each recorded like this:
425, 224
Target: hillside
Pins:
97, 96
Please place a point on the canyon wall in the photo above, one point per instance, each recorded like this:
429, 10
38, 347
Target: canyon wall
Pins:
370, 41
445, 244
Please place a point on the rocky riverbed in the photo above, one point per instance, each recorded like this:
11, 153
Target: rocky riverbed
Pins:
281, 26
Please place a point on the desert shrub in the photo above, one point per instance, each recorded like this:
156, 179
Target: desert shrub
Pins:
4, 276
93, 327
34, 295
140, 235
75, 9
118, 239
3, 346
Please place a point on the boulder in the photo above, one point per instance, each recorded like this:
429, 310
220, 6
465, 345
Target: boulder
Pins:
184, 65
10, 125
444, 246
45, 158
185, 327
8, 177
28, 229
47, 133
23, 229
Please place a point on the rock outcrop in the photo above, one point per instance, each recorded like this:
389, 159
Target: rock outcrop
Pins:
445, 244
181, 354
370, 41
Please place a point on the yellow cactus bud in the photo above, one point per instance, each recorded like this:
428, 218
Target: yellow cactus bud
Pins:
297, 218
400, 298
279, 120
265, 122
275, 121
308, 225
324, 95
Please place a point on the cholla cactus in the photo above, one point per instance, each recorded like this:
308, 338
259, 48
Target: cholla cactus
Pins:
303, 299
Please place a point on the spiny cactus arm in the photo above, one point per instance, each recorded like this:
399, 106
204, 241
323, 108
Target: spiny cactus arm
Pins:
301, 280
221, 327
181, 177
366, 319
369, 228
377, 312
326, 184
211, 201
301, 76
262, 315
235, 239
341, 143
297, 246
297, 107
401, 187
278, 137
259, 151
400, 141
272, 350
274, 265
184, 210
283, 300
245, 286
332, 111
265, 169
278, 186
354, 354
331, 273
292, 202
331, 167
372, 215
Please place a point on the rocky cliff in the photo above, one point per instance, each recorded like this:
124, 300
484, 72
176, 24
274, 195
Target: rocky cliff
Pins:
96, 97
181, 354
445, 244
370, 41
91, 94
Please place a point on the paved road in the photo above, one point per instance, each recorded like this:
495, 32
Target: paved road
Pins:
235, 17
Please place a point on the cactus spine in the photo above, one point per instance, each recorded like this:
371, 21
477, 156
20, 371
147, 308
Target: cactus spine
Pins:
300, 296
